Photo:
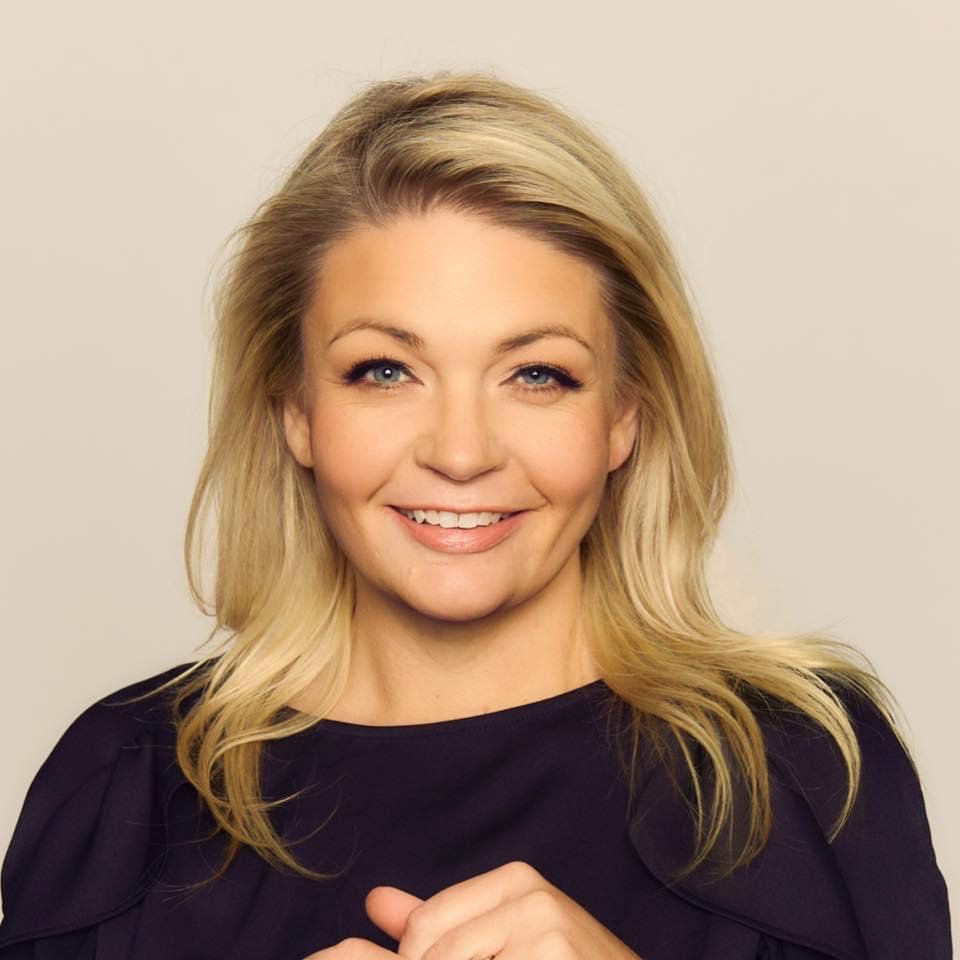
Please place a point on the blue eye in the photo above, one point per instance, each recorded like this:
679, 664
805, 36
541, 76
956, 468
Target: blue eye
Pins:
359, 370
562, 378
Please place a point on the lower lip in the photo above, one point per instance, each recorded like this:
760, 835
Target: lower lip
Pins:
458, 539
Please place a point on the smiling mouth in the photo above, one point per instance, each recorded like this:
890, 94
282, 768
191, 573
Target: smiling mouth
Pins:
457, 540
406, 514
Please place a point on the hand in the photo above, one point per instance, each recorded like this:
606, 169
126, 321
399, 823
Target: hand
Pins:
512, 912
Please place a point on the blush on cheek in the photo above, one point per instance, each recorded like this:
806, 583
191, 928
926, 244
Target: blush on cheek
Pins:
351, 463
574, 475
576, 448
567, 465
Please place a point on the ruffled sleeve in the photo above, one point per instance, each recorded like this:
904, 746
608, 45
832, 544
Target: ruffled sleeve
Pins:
875, 893
91, 834
885, 852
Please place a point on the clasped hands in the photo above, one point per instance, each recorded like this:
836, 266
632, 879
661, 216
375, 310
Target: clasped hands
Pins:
512, 912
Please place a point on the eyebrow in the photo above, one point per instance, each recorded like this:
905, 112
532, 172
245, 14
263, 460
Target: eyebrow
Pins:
410, 339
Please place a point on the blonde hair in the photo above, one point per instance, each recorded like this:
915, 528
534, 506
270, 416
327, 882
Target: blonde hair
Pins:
284, 590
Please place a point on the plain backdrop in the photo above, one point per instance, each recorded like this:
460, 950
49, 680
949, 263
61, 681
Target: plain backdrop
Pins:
802, 156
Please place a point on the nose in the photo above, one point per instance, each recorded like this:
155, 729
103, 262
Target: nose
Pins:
459, 436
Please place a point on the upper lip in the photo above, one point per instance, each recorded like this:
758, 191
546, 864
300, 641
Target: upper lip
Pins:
458, 509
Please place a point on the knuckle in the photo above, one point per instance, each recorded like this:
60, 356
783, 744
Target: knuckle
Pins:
523, 870
347, 948
419, 919
554, 945
540, 903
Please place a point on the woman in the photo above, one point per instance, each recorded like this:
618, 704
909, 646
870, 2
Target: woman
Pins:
468, 460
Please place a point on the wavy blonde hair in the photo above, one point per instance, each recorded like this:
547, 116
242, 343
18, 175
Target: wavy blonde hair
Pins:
284, 590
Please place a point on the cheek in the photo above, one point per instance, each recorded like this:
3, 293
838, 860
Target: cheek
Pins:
568, 458
351, 454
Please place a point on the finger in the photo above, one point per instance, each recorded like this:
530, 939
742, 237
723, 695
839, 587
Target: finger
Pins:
518, 923
389, 907
462, 902
353, 948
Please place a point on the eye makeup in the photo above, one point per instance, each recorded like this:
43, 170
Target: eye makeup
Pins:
562, 379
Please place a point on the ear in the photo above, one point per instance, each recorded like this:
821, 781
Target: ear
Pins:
296, 427
623, 434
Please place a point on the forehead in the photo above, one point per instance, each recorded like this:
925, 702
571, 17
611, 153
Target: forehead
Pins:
450, 273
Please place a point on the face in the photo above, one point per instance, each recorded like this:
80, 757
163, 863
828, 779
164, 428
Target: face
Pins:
446, 412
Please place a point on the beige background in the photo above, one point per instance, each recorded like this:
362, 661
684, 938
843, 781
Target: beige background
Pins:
802, 155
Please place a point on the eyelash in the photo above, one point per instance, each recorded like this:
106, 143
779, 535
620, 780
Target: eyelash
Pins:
564, 379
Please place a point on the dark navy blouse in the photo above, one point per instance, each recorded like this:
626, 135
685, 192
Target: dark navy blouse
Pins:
110, 829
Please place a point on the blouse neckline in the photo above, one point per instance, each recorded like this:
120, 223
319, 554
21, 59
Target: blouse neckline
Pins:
536, 709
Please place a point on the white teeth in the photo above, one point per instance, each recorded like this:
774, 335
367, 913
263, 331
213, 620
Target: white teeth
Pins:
444, 518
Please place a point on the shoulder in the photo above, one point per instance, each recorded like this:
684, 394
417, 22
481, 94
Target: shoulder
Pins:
874, 891
884, 851
809, 761
91, 830
94, 737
